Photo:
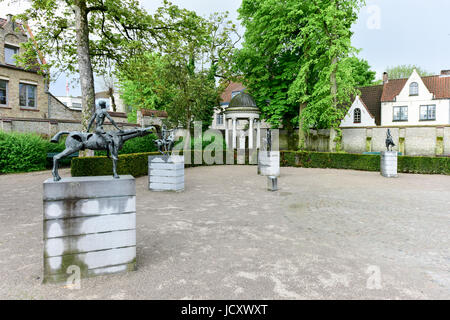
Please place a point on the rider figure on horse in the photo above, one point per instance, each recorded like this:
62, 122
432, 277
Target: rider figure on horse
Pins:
99, 117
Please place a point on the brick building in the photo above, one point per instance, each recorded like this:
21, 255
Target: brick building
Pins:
26, 105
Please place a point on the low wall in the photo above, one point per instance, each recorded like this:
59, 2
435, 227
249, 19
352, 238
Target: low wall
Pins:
410, 140
49, 127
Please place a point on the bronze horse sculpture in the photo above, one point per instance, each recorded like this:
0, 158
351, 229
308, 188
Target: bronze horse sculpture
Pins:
77, 141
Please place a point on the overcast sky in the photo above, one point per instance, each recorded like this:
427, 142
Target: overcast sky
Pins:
388, 32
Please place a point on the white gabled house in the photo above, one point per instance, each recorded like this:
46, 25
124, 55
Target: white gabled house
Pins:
358, 115
416, 101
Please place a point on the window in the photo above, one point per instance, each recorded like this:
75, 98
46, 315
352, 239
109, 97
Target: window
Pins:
10, 51
428, 112
400, 113
357, 115
414, 89
219, 119
3, 92
27, 95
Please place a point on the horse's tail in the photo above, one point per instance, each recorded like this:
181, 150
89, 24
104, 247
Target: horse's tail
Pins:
57, 136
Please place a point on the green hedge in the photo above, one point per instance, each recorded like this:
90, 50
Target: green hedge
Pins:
136, 145
22, 152
136, 164
406, 164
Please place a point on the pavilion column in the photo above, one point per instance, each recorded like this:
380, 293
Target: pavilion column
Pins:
227, 143
250, 133
258, 134
234, 133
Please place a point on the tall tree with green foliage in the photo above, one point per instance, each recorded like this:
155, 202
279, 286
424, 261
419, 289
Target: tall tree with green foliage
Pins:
85, 36
296, 60
181, 79
269, 59
361, 72
325, 82
404, 71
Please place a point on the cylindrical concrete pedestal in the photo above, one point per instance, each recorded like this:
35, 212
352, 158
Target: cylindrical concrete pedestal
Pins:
388, 164
166, 173
272, 183
269, 163
89, 226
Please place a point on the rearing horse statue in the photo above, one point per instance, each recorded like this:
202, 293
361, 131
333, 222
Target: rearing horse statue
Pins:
77, 141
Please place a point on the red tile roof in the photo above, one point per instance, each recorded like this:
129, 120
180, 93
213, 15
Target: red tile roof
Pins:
233, 86
438, 85
371, 97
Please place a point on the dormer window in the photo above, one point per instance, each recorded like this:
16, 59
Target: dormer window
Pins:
414, 89
10, 51
357, 115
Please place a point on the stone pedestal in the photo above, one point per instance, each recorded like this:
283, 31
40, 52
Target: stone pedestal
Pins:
388, 164
166, 173
269, 163
272, 183
90, 224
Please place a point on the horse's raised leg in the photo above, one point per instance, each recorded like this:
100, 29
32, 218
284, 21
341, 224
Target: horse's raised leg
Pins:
56, 158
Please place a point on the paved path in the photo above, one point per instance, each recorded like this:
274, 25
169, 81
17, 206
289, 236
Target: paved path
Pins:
325, 234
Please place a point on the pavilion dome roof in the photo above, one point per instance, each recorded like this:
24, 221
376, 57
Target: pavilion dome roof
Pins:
242, 102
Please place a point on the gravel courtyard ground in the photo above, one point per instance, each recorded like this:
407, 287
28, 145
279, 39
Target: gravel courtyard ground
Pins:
325, 234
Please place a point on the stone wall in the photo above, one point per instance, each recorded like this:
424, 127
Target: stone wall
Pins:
58, 110
410, 140
49, 127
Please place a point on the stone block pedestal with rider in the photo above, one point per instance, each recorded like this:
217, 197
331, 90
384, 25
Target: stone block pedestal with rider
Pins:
90, 222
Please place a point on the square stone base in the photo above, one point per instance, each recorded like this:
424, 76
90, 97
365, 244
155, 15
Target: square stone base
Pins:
269, 163
166, 173
89, 227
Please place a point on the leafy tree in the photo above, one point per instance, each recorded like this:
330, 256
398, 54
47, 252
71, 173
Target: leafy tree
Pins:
181, 78
325, 80
85, 36
361, 72
404, 71
296, 57
269, 60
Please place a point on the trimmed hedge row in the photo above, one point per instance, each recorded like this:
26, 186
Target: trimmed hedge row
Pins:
22, 152
137, 164
406, 164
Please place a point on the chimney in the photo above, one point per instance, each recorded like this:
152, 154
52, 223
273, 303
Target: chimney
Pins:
445, 73
385, 77
10, 19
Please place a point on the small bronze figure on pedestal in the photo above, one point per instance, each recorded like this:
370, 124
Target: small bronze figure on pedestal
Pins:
389, 140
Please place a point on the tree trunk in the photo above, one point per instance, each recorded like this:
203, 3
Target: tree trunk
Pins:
84, 64
301, 133
113, 101
333, 81
188, 118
